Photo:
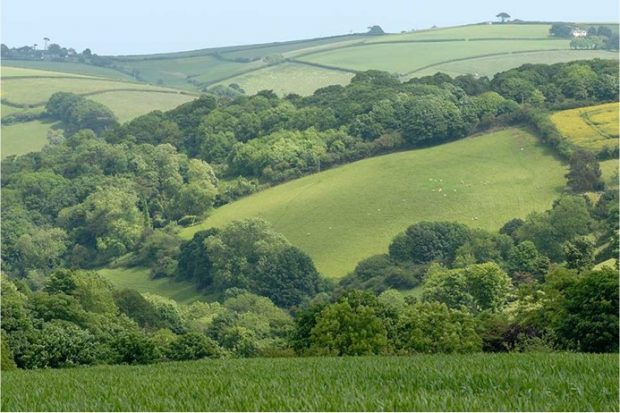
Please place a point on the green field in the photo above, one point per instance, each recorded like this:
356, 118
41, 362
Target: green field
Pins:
404, 58
476, 31
478, 382
488, 66
138, 279
129, 105
71, 68
609, 168
592, 127
36, 91
343, 215
290, 78
22, 138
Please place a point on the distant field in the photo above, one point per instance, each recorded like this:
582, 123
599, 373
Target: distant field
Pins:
476, 382
138, 279
36, 91
475, 31
72, 68
406, 57
343, 215
128, 105
488, 66
22, 138
592, 127
290, 78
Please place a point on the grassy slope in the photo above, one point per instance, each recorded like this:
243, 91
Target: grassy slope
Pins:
138, 279
609, 168
36, 91
476, 31
72, 68
129, 105
406, 57
592, 127
343, 215
290, 78
488, 66
21, 138
475, 382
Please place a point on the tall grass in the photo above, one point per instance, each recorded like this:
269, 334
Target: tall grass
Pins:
491, 382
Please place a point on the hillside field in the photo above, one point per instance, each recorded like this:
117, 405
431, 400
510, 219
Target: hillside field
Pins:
28, 89
290, 67
343, 215
138, 278
21, 138
591, 127
478, 382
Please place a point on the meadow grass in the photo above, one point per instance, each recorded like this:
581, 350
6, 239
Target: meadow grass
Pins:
592, 127
138, 278
71, 68
475, 382
36, 91
22, 138
129, 105
343, 215
406, 57
488, 66
290, 78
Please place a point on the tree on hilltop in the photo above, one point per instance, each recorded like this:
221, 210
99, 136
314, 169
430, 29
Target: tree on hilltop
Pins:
375, 30
503, 15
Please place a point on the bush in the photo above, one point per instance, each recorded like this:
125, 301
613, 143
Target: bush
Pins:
193, 346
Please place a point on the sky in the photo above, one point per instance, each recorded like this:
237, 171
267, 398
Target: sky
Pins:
114, 27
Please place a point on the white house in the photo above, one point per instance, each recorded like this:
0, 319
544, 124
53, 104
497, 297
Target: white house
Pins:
579, 33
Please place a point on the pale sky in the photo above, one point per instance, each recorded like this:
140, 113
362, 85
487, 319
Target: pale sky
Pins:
137, 26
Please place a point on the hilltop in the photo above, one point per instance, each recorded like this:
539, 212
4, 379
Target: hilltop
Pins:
302, 66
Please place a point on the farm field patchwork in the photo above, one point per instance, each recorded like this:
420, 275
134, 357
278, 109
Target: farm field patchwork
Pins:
290, 78
343, 215
36, 91
592, 127
406, 57
475, 382
138, 278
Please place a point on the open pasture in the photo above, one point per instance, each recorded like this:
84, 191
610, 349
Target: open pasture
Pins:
343, 215
404, 58
22, 138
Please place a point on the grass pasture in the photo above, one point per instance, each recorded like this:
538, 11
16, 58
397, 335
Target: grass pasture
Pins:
609, 168
36, 91
476, 382
593, 127
64, 68
290, 78
346, 214
22, 138
488, 66
128, 105
404, 58
474, 31
138, 279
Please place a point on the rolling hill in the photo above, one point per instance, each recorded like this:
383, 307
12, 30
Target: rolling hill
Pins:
305, 65
346, 214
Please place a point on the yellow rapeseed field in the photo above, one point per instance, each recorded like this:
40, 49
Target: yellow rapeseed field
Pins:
591, 127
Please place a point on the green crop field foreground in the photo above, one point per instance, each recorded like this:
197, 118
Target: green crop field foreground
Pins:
479, 382
343, 215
